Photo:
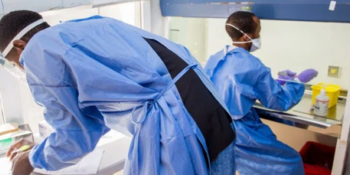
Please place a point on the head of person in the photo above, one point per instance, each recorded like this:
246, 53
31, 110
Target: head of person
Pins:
244, 29
16, 30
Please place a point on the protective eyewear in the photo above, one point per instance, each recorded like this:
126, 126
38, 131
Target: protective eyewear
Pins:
3, 61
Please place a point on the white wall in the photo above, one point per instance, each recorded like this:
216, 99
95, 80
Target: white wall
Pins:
189, 32
295, 46
65, 15
126, 12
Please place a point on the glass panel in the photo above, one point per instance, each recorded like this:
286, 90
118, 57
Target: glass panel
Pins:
292, 45
190, 32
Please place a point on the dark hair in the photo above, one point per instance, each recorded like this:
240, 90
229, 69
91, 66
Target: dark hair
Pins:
242, 20
12, 23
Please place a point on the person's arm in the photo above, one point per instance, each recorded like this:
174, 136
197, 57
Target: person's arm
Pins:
76, 134
53, 85
274, 96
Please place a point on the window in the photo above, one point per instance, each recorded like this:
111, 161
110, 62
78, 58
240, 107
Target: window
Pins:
129, 12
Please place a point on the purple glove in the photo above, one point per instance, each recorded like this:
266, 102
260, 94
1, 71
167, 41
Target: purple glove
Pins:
285, 75
307, 75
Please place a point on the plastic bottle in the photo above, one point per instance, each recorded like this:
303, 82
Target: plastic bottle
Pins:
321, 105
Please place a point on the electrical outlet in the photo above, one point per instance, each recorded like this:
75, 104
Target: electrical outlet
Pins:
334, 71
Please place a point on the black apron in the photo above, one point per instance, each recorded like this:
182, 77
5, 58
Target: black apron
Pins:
211, 118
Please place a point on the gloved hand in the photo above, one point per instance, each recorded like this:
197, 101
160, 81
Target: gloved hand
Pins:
307, 75
285, 75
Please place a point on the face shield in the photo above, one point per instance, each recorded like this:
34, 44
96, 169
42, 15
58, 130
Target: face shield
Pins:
9, 66
4, 63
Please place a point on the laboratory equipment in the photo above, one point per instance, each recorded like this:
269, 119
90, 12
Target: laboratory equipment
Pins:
289, 76
317, 158
285, 76
332, 91
332, 12
321, 105
8, 128
287, 73
5, 145
45, 129
7, 140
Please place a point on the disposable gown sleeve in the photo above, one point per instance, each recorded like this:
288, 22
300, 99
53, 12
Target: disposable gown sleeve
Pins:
274, 96
52, 86
76, 134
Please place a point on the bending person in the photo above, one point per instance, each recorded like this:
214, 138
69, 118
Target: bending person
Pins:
97, 74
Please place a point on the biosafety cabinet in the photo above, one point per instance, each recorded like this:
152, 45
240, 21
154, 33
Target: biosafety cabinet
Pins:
296, 35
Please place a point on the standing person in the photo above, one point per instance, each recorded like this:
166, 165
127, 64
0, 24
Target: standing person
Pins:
97, 74
241, 79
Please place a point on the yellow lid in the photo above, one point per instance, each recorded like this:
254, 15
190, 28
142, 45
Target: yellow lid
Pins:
328, 87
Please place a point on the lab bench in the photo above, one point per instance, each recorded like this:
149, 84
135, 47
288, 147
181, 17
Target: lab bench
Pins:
302, 116
336, 124
115, 146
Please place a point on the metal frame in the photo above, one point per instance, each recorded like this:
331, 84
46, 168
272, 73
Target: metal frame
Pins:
298, 10
342, 142
146, 15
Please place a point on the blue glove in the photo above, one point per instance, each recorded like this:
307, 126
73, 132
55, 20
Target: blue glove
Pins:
307, 75
285, 75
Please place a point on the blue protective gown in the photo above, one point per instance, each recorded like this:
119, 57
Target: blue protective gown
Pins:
241, 79
96, 74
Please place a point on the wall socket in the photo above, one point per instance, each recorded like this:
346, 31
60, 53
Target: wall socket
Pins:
334, 71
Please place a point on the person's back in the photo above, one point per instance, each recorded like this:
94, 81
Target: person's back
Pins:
97, 74
236, 77
241, 79
238, 71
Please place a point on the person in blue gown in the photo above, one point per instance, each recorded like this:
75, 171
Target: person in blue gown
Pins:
242, 79
97, 74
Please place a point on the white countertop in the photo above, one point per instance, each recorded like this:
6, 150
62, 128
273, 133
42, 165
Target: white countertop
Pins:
115, 146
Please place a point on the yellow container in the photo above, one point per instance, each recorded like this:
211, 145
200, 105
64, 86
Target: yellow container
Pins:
332, 91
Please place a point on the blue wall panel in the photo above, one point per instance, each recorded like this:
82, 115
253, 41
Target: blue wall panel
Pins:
299, 10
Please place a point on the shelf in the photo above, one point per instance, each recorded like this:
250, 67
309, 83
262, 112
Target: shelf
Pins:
302, 116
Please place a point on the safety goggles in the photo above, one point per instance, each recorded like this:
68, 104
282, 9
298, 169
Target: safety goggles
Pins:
3, 61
